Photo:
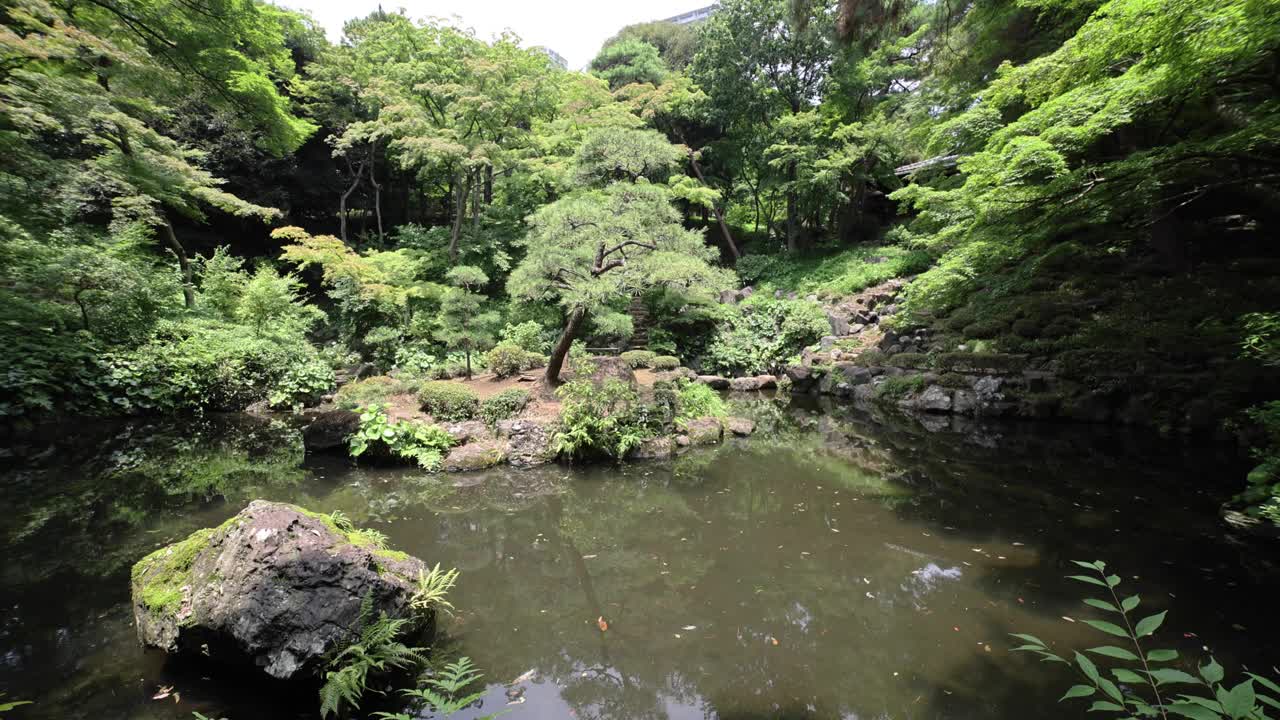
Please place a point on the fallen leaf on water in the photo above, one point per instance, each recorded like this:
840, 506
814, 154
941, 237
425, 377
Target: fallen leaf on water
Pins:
164, 692
602, 624
589, 557
1064, 617
689, 627
518, 701
677, 635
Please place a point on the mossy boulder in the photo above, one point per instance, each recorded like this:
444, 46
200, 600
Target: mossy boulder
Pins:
275, 587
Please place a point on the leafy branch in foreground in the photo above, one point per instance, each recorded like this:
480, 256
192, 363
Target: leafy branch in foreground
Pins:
1143, 690
6, 706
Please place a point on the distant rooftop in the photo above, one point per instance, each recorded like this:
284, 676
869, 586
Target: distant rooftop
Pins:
692, 16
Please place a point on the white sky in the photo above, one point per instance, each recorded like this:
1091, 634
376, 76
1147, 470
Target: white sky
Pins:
573, 28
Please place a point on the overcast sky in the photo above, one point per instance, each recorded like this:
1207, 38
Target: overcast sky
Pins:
573, 28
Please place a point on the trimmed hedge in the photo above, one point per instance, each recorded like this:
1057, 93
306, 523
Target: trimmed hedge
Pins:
506, 404
665, 362
639, 358
448, 401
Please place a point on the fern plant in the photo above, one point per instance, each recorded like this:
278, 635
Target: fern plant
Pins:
1144, 689
377, 650
445, 693
432, 588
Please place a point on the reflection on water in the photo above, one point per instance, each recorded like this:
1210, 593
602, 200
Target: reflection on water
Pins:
830, 567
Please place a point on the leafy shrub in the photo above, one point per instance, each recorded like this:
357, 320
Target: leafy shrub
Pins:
897, 387
507, 359
639, 358
424, 444
1149, 672
381, 344
696, 400
197, 365
528, 336
506, 404
764, 335
369, 391
664, 362
302, 385
606, 421
448, 401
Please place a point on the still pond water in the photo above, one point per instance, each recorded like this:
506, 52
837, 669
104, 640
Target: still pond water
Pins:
833, 566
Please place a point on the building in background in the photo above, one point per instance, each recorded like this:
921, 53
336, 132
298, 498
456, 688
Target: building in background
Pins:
692, 16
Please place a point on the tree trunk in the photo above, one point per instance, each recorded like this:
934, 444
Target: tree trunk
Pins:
792, 226
461, 189
475, 206
188, 282
561, 350
724, 227
488, 184
342, 203
468, 363
377, 192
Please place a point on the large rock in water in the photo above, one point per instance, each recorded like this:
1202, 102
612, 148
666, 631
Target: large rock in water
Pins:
275, 586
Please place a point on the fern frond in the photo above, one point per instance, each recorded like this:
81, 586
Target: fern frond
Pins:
432, 588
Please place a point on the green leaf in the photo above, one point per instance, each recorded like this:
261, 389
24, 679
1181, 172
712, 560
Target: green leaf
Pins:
1213, 672
1162, 655
1077, 691
1113, 580
1193, 711
1103, 705
1087, 565
1108, 628
1110, 688
1150, 624
1112, 651
1164, 676
1238, 702
1087, 579
1264, 682
1029, 638
1130, 603
1127, 676
1101, 605
1087, 667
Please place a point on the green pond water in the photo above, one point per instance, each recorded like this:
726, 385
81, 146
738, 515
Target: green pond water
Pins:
834, 565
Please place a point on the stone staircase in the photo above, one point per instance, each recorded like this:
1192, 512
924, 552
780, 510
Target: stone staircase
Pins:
640, 322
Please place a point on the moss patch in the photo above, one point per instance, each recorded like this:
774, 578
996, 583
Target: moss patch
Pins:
161, 576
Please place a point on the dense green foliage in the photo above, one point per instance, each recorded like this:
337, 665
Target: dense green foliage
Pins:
504, 405
189, 208
448, 401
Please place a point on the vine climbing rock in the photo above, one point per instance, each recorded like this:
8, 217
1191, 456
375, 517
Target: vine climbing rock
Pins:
276, 587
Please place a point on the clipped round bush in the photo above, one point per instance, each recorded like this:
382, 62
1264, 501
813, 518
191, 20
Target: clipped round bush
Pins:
448, 401
506, 404
507, 359
639, 358
363, 393
665, 362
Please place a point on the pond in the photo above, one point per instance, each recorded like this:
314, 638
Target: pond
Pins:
834, 565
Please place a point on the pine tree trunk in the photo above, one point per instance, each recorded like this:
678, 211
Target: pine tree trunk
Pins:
561, 350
